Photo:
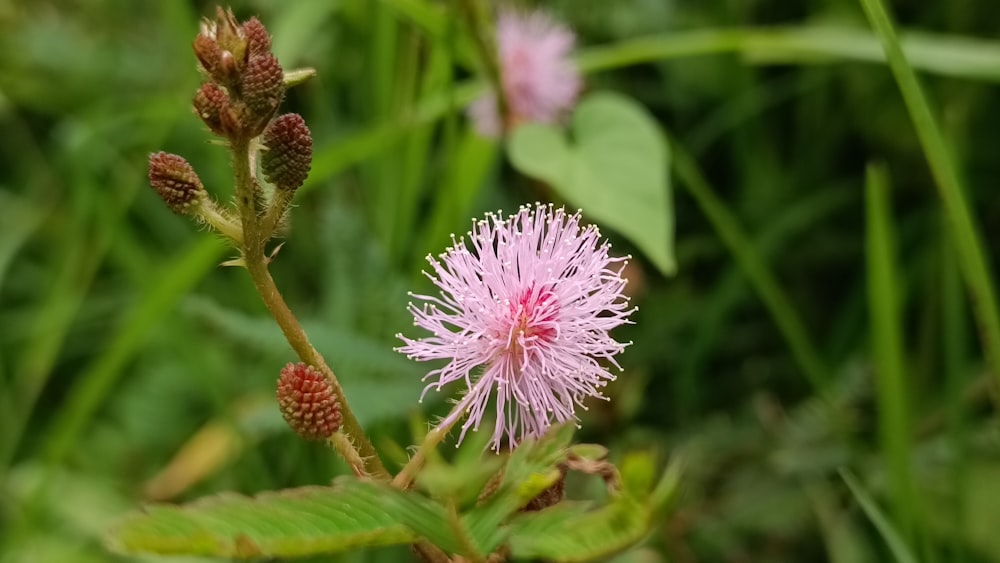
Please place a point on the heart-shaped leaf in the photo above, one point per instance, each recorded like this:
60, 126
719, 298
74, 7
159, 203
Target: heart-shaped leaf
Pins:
613, 163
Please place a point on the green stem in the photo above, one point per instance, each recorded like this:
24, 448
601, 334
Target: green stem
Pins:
256, 264
462, 535
965, 232
431, 441
209, 213
275, 212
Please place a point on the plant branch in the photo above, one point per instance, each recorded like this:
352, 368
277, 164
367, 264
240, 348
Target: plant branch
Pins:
256, 265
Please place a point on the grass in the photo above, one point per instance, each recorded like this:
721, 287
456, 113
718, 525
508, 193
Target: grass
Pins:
820, 321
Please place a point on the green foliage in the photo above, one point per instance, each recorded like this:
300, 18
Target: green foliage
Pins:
570, 532
757, 359
288, 523
355, 513
613, 164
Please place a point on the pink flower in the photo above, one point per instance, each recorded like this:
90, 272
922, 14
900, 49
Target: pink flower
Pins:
531, 302
539, 81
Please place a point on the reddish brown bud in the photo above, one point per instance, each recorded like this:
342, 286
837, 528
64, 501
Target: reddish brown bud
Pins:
258, 40
176, 182
221, 48
288, 157
211, 103
307, 402
262, 88
208, 53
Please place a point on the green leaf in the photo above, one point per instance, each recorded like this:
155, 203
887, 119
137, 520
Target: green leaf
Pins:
532, 468
288, 523
569, 532
613, 164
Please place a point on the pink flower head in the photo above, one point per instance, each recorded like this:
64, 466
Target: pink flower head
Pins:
540, 83
531, 302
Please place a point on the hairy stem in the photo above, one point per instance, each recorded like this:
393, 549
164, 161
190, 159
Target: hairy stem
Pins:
405, 477
462, 535
358, 448
272, 218
213, 216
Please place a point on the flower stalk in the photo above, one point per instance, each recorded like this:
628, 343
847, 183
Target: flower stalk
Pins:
405, 477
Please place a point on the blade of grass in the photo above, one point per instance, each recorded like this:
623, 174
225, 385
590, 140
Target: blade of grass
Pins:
417, 152
388, 74
438, 24
740, 243
965, 232
939, 54
473, 159
887, 348
954, 320
900, 551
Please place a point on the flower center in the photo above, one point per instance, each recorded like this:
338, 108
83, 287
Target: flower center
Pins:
533, 325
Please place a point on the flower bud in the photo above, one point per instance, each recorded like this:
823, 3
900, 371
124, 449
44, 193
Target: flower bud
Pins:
288, 157
258, 40
211, 103
221, 48
262, 88
176, 182
229, 34
307, 402
208, 53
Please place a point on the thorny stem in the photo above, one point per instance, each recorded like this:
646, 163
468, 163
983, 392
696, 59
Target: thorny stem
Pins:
360, 454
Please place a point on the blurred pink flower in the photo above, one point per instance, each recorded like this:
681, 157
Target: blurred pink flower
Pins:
531, 303
539, 81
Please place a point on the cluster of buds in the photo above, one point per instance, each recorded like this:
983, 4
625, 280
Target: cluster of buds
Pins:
246, 82
244, 85
239, 100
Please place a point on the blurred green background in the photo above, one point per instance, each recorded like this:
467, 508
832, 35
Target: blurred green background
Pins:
133, 367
